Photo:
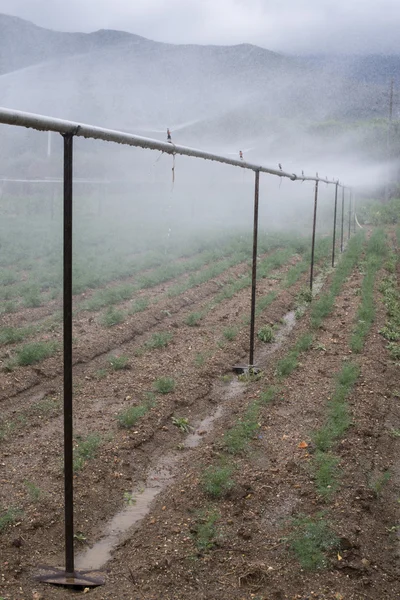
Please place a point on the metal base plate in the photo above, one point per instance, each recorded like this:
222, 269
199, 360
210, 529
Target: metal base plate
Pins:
240, 369
78, 579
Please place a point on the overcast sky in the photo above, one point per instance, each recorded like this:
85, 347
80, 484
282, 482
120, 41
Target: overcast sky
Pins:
294, 26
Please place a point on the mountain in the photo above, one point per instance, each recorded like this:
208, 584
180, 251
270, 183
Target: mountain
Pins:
23, 44
221, 97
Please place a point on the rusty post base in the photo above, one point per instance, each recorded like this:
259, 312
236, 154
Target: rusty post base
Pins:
78, 579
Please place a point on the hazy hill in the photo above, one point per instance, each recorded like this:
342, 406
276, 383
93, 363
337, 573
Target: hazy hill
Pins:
224, 97
23, 44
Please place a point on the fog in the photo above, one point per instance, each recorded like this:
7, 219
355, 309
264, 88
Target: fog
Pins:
306, 115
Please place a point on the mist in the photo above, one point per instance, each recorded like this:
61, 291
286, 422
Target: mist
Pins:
312, 116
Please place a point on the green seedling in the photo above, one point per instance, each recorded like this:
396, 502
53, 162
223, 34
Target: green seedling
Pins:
193, 319
217, 481
312, 540
117, 363
266, 334
85, 449
206, 533
182, 424
112, 317
164, 385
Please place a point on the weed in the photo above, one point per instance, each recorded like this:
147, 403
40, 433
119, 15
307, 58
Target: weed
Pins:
226, 378
12, 335
129, 499
193, 319
160, 339
380, 482
269, 395
250, 375
33, 490
79, 536
311, 540
266, 334
100, 373
390, 332
7, 277
206, 533
325, 465
48, 406
395, 433
6, 428
8, 517
139, 305
217, 482
304, 296
304, 342
287, 364
112, 317
394, 350
237, 438
32, 298
230, 333
117, 363
199, 359
130, 416
182, 424
35, 352
85, 450
324, 305
164, 385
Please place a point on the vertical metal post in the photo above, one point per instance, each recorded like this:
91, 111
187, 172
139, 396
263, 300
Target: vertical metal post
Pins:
254, 270
342, 226
350, 197
67, 314
334, 225
354, 212
313, 235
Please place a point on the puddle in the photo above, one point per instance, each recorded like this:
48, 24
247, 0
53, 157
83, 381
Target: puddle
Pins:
206, 425
116, 531
138, 507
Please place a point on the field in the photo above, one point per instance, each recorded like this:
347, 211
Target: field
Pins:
199, 483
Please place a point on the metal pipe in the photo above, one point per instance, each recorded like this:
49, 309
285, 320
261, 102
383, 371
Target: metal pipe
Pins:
42, 123
342, 226
313, 235
334, 226
350, 198
254, 269
67, 317
354, 212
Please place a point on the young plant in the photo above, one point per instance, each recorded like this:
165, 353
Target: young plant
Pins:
130, 416
193, 319
117, 363
112, 317
217, 481
312, 540
182, 424
35, 352
85, 449
164, 385
237, 438
160, 339
230, 333
378, 484
34, 491
8, 517
205, 531
266, 334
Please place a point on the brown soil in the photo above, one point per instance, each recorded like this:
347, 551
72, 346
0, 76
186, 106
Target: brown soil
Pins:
158, 557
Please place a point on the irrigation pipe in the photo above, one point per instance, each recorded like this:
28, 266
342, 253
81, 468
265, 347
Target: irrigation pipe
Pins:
43, 123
